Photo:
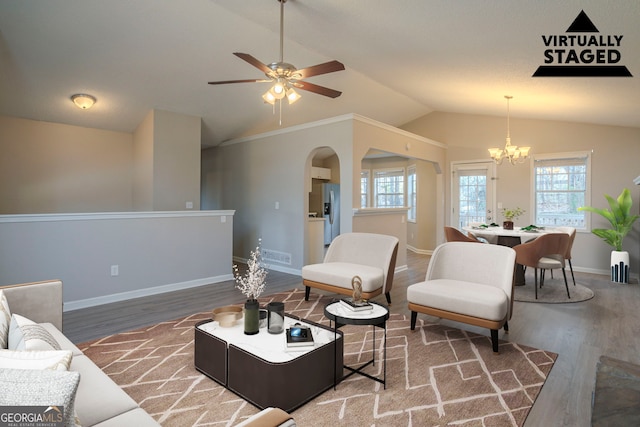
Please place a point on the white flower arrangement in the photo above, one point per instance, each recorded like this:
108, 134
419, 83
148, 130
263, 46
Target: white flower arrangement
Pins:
253, 282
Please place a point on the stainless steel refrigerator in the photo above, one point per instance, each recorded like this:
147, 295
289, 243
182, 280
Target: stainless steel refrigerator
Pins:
324, 199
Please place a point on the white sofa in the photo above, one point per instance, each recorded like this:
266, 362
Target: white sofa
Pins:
370, 256
99, 401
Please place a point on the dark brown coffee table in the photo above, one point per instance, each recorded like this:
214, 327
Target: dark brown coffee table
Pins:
260, 369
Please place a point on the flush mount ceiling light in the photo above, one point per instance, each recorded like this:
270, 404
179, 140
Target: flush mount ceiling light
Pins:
83, 101
513, 153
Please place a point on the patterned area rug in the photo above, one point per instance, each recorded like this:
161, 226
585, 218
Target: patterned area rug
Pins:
436, 375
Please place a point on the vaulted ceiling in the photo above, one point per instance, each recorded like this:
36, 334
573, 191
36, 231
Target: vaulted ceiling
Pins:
403, 59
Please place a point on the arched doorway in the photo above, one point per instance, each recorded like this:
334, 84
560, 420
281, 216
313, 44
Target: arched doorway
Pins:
322, 202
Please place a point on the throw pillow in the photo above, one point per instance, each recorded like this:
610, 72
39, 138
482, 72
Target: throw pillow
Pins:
5, 320
57, 360
25, 334
54, 390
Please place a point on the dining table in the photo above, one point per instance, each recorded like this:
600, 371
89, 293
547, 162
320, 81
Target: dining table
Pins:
500, 236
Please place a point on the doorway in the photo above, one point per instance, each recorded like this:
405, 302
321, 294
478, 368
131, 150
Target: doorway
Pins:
472, 193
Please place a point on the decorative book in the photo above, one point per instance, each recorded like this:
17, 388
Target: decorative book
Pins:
356, 305
299, 336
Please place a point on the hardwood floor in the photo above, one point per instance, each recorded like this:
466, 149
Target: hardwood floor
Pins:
608, 324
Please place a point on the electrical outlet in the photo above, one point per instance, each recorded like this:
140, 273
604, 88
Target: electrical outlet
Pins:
277, 205
115, 270
189, 205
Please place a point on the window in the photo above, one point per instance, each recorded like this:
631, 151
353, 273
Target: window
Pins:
364, 188
389, 188
561, 186
412, 193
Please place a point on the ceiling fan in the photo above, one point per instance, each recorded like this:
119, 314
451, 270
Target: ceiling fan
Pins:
284, 76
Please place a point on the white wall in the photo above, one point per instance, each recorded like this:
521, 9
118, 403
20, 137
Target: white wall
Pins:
616, 151
155, 252
53, 168
254, 173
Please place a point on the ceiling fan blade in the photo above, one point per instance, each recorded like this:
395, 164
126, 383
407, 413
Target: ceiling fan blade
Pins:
224, 82
320, 90
327, 67
253, 61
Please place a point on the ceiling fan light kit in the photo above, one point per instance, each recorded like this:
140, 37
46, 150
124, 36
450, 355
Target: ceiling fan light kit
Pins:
284, 77
512, 153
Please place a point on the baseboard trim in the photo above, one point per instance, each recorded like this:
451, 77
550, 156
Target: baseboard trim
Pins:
123, 296
420, 251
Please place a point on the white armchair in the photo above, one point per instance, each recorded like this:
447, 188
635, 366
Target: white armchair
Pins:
466, 283
370, 256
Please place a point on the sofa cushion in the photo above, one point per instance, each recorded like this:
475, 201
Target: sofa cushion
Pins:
457, 296
57, 360
99, 397
40, 388
340, 274
5, 320
61, 339
24, 334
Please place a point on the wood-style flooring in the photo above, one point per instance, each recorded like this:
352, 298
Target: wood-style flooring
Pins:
608, 324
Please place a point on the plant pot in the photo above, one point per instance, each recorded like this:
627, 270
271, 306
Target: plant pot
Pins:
251, 317
507, 225
620, 266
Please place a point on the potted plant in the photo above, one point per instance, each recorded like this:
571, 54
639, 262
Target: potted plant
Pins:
621, 220
251, 285
509, 215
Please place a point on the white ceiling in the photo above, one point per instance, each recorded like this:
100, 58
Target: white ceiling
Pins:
403, 59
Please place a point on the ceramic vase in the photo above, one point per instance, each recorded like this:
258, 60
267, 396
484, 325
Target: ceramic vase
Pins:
620, 266
507, 225
251, 317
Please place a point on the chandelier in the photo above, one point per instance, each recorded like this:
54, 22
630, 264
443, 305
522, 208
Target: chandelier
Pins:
513, 153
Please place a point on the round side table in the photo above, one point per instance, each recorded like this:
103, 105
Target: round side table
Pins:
377, 317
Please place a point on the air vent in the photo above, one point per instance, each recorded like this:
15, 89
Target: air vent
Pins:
269, 255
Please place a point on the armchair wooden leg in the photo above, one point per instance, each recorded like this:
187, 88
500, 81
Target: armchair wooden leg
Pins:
414, 317
307, 291
506, 327
388, 295
494, 340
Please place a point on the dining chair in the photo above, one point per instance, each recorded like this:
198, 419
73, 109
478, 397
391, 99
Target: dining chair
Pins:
454, 235
571, 231
546, 252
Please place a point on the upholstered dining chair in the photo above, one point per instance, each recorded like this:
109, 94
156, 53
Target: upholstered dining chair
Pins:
546, 252
454, 235
571, 231
470, 284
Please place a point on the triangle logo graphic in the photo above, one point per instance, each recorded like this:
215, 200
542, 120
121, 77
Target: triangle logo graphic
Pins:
582, 51
582, 24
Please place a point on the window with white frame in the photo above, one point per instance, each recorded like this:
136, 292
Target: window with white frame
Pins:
364, 188
412, 193
561, 184
388, 185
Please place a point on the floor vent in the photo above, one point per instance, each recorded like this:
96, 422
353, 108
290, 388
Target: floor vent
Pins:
269, 255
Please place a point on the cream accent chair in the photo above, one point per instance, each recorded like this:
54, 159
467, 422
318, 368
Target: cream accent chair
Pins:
466, 283
370, 256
